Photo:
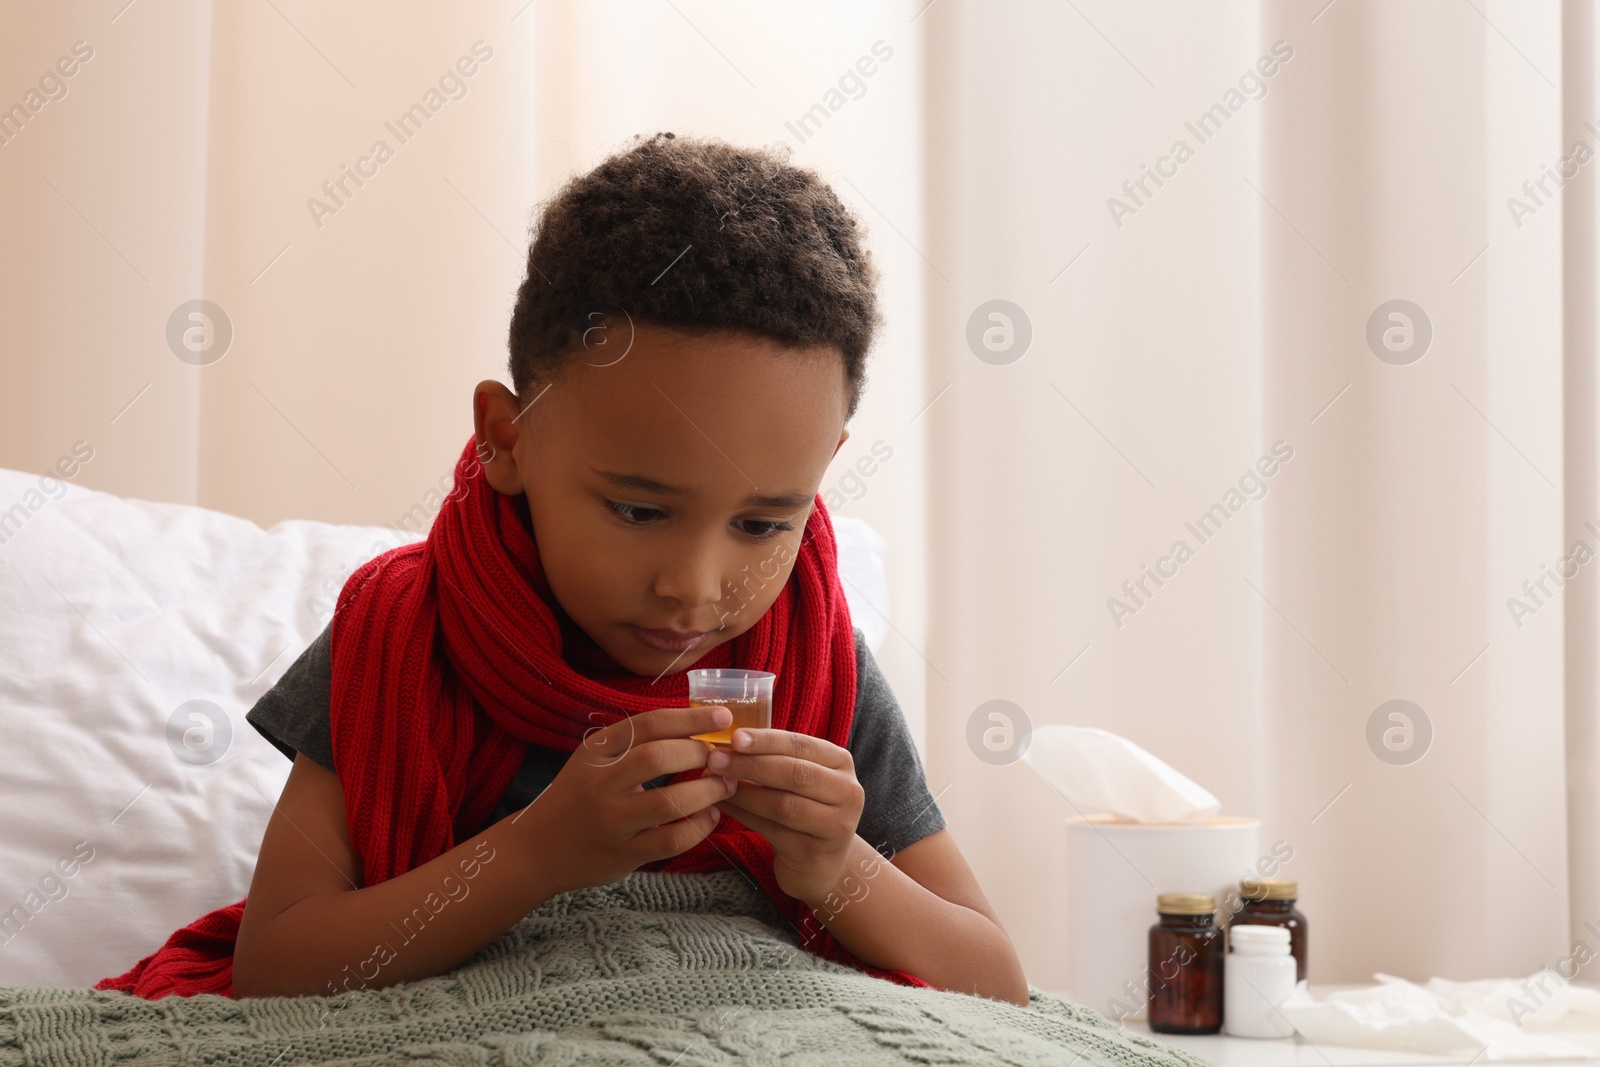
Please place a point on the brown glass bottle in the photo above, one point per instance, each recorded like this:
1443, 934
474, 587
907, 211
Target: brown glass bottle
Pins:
1270, 902
1186, 953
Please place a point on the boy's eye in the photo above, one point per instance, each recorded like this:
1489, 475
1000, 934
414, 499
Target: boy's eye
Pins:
763, 530
633, 514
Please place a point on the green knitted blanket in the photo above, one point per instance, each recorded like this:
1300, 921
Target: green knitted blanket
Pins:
674, 970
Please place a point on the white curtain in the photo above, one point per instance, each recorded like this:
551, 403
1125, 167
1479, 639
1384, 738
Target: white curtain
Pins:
1339, 157
1581, 470
1189, 311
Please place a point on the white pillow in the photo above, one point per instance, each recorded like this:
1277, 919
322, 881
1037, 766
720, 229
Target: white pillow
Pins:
130, 809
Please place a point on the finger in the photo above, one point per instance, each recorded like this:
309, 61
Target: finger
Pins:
652, 759
680, 722
756, 741
788, 811
653, 807
611, 743
762, 825
786, 772
674, 838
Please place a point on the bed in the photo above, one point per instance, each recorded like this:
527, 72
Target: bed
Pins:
135, 635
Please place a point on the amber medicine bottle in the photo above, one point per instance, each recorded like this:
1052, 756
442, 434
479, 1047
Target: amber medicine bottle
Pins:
1270, 902
1186, 959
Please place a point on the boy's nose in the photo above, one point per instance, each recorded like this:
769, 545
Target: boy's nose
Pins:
692, 578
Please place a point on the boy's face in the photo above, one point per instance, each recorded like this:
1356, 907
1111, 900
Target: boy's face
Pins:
734, 430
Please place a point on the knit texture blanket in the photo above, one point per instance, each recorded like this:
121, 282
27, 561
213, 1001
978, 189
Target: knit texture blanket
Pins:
660, 969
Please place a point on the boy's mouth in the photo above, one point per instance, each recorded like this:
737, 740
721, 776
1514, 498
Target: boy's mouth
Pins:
668, 640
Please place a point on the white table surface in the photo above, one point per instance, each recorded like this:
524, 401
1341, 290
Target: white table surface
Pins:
1225, 1051
1295, 1051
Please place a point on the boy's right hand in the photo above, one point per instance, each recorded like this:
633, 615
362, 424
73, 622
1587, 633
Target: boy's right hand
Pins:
596, 822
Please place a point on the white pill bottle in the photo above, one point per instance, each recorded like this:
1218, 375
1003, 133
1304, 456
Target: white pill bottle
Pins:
1258, 976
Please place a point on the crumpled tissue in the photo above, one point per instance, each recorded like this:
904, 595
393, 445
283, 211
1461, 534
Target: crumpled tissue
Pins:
1491, 1017
1102, 774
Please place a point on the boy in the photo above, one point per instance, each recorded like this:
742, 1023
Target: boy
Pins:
686, 349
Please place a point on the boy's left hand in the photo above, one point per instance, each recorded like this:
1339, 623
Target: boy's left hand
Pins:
800, 793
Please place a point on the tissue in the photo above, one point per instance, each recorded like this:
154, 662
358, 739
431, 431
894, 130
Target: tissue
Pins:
1443, 1017
1542, 999
1102, 774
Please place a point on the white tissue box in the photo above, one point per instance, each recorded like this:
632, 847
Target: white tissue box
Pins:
1114, 871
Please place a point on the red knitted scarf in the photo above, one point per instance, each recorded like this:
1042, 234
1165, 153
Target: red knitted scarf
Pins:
447, 662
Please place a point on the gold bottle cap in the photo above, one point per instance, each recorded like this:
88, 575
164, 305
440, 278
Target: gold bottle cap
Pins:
1186, 904
1269, 889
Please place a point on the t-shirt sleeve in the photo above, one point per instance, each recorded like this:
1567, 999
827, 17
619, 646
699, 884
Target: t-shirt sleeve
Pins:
293, 714
898, 810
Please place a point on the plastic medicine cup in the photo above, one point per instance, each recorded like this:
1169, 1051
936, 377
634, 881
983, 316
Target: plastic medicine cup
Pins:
747, 694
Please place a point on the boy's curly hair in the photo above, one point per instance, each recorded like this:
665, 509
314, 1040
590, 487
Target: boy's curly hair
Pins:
698, 235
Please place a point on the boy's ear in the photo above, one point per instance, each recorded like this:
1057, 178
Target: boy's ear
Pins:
494, 425
844, 435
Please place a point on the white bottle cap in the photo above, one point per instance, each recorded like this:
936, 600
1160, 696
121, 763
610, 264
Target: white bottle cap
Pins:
1250, 940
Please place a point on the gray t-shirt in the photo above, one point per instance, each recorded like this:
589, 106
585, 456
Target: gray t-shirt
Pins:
898, 809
